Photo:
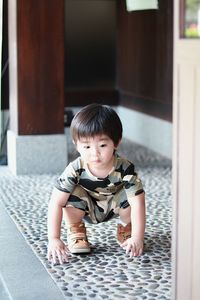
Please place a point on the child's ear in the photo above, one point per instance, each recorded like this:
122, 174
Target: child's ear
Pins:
117, 145
75, 144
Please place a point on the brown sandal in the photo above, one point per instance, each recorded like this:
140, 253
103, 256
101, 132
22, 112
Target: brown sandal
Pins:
77, 239
123, 232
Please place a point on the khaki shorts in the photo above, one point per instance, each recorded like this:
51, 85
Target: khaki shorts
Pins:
97, 211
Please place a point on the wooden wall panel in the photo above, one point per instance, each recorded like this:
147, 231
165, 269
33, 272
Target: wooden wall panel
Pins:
144, 64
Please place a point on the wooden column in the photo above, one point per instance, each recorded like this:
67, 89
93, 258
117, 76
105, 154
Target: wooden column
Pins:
38, 78
36, 64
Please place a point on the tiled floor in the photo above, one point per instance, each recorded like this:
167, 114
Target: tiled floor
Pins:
106, 273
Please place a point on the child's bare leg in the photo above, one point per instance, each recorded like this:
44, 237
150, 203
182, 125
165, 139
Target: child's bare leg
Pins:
125, 214
72, 215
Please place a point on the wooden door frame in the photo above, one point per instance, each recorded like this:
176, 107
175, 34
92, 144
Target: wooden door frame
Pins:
186, 163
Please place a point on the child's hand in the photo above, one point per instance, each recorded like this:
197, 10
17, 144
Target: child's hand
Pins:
134, 246
57, 251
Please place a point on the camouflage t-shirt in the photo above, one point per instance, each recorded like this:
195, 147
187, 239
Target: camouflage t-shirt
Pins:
122, 176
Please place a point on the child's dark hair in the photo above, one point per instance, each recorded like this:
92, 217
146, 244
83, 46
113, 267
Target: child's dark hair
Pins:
96, 119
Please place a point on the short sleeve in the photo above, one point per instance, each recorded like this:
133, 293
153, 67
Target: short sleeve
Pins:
132, 183
68, 179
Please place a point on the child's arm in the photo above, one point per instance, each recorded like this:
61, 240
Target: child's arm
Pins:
57, 250
134, 245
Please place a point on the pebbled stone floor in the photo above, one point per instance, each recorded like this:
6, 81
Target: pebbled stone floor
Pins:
106, 273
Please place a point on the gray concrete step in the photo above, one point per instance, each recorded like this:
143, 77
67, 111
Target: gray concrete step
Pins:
22, 276
4, 294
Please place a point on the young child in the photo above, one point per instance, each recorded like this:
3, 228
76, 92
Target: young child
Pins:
97, 186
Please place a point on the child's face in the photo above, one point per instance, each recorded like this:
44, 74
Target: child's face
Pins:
96, 151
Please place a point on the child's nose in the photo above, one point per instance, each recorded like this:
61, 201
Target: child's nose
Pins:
95, 151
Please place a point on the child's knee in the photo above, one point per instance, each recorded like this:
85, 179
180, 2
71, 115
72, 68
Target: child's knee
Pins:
72, 214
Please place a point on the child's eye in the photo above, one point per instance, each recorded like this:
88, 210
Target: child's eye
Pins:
86, 147
103, 145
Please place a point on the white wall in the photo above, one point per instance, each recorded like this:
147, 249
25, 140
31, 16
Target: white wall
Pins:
151, 132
